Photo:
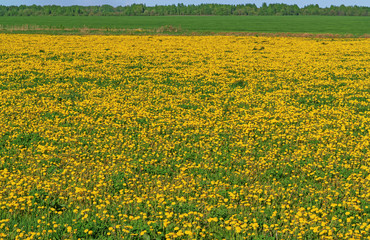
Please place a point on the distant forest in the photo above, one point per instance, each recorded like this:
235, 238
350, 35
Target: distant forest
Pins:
182, 9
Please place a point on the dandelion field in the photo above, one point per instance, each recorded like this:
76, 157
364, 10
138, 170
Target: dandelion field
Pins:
184, 137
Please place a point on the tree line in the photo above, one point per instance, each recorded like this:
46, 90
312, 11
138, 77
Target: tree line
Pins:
182, 9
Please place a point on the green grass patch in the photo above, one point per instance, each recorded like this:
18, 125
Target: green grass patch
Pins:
182, 24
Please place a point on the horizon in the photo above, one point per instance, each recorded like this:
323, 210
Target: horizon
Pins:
150, 3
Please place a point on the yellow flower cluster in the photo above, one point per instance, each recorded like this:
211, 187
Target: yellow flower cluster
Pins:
204, 137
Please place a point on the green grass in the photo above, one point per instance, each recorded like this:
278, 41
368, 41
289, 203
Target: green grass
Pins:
269, 24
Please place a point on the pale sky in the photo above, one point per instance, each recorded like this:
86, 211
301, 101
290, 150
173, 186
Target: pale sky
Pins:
300, 3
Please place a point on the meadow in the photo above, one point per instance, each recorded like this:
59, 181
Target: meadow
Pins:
184, 137
356, 26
